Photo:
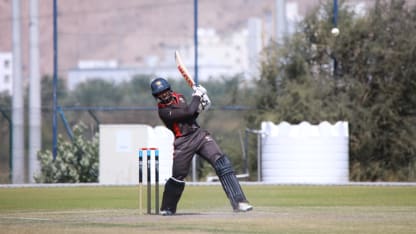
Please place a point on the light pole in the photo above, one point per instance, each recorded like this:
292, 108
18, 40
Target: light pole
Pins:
336, 30
55, 80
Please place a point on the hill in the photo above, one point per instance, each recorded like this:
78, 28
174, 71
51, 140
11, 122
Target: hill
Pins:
127, 31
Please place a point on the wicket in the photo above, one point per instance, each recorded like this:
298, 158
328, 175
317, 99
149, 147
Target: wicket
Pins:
149, 187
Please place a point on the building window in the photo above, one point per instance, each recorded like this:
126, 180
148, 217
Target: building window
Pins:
6, 79
6, 63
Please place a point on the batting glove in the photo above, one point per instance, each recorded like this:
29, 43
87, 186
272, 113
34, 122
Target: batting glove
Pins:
201, 89
198, 92
205, 102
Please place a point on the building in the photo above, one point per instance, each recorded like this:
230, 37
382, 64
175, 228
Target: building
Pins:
6, 73
218, 56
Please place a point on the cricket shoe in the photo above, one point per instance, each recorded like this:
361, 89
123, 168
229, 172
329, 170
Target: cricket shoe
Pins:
166, 213
244, 207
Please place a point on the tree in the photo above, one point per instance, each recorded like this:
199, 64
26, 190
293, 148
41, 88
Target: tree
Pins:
5, 121
372, 86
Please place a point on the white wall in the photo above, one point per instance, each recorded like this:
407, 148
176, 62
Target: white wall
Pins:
119, 145
305, 153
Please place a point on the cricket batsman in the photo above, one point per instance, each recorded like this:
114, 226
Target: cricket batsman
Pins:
190, 139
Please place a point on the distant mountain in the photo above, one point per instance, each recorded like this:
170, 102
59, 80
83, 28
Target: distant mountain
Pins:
126, 31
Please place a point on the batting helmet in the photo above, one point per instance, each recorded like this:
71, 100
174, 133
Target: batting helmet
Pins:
159, 85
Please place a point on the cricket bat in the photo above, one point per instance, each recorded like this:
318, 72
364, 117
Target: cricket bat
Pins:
188, 78
182, 69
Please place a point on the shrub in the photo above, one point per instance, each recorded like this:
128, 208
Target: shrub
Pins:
76, 160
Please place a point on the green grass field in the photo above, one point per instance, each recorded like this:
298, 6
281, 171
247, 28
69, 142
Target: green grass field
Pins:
205, 209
